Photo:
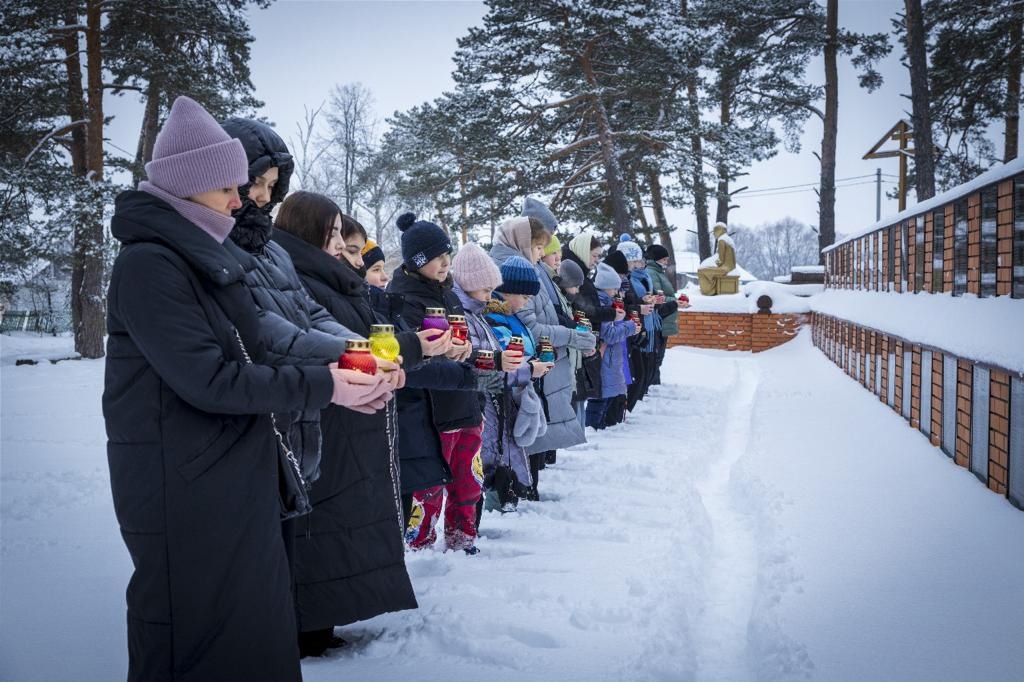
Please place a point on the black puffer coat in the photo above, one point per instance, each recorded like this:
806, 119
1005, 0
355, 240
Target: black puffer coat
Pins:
295, 329
587, 299
193, 462
451, 409
349, 552
423, 465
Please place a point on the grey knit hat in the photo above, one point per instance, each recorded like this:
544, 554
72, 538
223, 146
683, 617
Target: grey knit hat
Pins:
606, 277
535, 209
570, 274
193, 154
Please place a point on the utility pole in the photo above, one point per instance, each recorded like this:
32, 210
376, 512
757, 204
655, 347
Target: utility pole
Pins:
878, 194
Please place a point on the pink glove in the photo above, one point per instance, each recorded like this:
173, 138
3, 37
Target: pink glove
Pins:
356, 390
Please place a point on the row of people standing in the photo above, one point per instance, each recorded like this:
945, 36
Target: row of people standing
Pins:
225, 325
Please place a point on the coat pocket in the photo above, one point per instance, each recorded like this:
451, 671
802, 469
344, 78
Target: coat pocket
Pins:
229, 432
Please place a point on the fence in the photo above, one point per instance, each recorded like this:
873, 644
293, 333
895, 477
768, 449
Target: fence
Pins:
970, 241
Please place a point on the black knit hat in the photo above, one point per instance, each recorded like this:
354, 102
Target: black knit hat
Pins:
422, 241
618, 262
656, 252
372, 253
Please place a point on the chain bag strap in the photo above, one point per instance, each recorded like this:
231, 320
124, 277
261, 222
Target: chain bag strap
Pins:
292, 486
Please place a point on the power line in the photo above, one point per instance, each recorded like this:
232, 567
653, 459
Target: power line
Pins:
798, 191
809, 184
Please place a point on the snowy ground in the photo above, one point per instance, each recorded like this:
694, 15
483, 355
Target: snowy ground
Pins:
33, 348
760, 517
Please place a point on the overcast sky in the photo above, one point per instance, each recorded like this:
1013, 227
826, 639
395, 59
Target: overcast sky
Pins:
402, 51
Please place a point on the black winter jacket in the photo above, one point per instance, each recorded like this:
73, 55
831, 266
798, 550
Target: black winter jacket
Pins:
193, 461
349, 551
451, 409
419, 442
587, 300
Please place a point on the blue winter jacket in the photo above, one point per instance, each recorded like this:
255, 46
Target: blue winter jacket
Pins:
614, 356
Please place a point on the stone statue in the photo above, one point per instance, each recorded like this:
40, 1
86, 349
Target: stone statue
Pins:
714, 272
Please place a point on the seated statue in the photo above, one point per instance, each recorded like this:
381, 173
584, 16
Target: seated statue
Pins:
714, 270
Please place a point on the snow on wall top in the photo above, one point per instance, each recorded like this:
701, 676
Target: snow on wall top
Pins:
989, 177
784, 299
983, 329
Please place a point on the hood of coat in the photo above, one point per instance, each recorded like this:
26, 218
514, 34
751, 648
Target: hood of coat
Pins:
514, 233
140, 217
469, 304
317, 264
264, 149
502, 252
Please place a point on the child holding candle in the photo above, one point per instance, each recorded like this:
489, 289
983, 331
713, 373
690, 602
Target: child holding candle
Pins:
505, 463
613, 349
423, 281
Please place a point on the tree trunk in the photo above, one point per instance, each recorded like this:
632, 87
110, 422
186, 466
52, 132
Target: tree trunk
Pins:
700, 191
722, 196
1013, 76
88, 310
827, 191
644, 227
149, 130
924, 148
609, 155
661, 222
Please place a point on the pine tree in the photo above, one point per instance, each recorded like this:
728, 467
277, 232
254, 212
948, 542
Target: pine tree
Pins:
975, 81
564, 66
166, 48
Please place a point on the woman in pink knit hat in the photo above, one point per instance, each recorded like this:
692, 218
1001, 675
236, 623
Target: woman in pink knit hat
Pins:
188, 405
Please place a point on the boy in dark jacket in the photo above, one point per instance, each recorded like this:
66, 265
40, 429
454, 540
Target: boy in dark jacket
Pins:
423, 281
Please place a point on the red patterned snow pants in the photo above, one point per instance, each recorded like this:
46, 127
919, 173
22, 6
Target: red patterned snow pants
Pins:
461, 449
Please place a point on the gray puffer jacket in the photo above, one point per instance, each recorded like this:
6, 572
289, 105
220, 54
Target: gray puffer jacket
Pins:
540, 318
295, 330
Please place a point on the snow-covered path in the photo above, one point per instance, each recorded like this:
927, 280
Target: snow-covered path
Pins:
758, 518
721, 641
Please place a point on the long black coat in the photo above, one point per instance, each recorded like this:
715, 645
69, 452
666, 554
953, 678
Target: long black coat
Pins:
192, 456
349, 551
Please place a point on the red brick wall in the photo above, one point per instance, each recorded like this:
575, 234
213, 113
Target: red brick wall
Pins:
1004, 238
915, 387
974, 243
736, 331
936, 379
999, 431
964, 388
839, 338
929, 249
897, 401
947, 251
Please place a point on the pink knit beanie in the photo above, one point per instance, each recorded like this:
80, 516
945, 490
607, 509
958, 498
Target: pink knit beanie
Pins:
193, 154
473, 269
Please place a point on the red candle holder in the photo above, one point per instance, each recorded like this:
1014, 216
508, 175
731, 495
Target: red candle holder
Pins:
357, 356
460, 330
484, 359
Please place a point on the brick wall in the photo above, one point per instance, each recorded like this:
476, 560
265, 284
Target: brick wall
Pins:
736, 331
839, 339
999, 432
964, 384
863, 263
1004, 238
936, 379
